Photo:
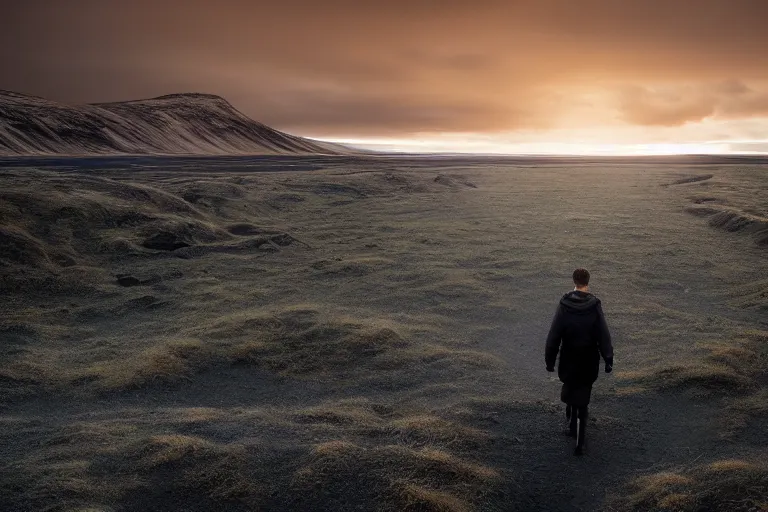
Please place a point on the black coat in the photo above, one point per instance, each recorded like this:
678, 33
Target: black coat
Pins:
579, 332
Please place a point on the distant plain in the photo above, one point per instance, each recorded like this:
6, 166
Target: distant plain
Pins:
360, 333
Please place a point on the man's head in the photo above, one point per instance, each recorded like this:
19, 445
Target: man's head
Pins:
581, 278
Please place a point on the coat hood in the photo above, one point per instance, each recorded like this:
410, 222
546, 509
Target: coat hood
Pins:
579, 302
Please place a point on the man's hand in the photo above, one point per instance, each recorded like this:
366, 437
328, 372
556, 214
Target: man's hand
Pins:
550, 368
609, 365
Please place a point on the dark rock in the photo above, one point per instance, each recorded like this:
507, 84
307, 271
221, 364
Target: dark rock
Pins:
165, 241
282, 239
244, 229
127, 280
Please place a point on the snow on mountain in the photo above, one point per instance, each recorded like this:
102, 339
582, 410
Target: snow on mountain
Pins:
177, 124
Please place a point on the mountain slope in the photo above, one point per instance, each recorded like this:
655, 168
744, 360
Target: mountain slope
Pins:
177, 124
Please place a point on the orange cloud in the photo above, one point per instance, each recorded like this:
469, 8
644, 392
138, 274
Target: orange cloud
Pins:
674, 106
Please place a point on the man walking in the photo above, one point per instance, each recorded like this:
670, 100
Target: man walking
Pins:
579, 332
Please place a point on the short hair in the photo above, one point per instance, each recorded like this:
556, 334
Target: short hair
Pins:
581, 277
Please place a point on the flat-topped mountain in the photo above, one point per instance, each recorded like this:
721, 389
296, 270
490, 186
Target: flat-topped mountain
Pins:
176, 124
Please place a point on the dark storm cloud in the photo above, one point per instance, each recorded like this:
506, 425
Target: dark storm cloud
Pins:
341, 67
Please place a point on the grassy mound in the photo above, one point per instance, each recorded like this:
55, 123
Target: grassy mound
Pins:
90, 216
733, 485
731, 367
168, 361
17, 247
93, 466
733, 370
751, 296
341, 473
734, 221
335, 456
695, 178
303, 341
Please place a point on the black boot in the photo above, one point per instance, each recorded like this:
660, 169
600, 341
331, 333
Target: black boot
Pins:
570, 413
583, 415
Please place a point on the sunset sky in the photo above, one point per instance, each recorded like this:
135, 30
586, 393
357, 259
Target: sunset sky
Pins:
537, 76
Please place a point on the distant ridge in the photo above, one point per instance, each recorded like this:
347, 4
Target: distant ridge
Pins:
175, 124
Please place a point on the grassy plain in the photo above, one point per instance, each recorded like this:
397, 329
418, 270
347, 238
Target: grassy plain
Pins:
367, 333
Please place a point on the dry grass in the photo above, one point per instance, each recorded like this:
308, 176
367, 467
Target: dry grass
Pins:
168, 361
352, 267
55, 235
430, 429
755, 404
172, 448
396, 476
415, 497
373, 454
64, 475
736, 367
751, 296
98, 465
733, 485
733, 371
709, 376
394, 458
301, 342
72, 236
734, 201
396, 300
376, 420
298, 341
306, 340
218, 471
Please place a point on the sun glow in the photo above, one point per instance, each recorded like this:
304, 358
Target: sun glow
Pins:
707, 137
541, 148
